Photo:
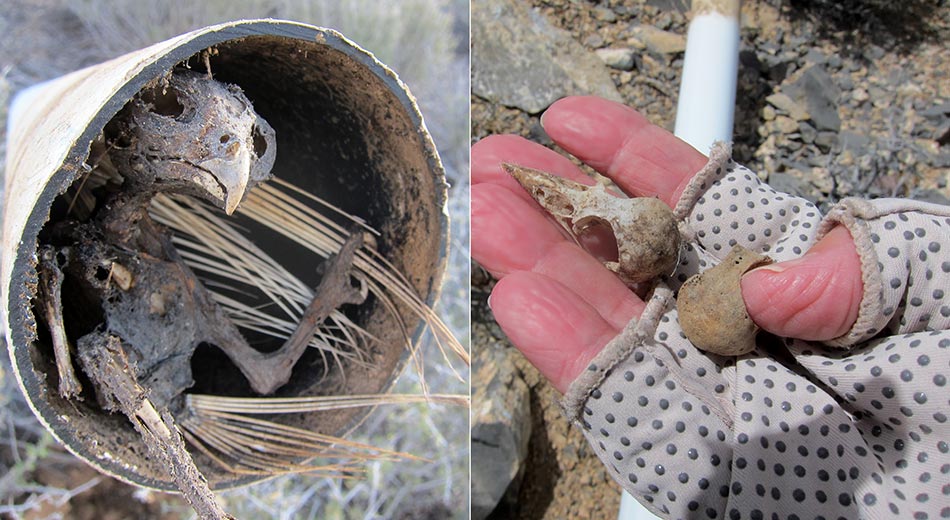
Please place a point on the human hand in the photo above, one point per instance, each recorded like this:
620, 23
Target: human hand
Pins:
688, 432
559, 305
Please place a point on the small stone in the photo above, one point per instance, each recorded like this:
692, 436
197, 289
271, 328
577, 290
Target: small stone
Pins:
807, 132
624, 10
846, 158
621, 59
860, 95
854, 141
789, 106
636, 43
906, 156
932, 196
845, 82
937, 112
660, 41
826, 141
768, 113
787, 183
819, 177
650, 66
605, 14
815, 56
874, 52
880, 98
594, 41
843, 185
759, 15
786, 125
817, 92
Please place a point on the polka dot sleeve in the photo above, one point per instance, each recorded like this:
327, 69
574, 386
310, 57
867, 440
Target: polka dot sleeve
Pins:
793, 429
904, 247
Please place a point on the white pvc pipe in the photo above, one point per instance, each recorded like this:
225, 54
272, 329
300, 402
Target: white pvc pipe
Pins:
630, 509
707, 100
704, 110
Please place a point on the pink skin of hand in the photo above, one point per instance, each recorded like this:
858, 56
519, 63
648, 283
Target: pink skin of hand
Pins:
558, 304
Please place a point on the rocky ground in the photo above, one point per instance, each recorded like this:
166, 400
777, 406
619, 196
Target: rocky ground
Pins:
834, 99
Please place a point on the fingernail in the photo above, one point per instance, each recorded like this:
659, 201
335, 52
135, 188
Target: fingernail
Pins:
780, 266
774, 268
489, 301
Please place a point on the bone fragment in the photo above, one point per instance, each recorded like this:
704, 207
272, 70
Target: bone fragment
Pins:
711, 310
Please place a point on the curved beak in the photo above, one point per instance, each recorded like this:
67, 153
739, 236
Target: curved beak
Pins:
231, 176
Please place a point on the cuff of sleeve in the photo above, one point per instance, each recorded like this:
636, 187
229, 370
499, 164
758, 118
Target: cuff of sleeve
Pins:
633, 335
848, 213
857, 215
719, 156
656, 335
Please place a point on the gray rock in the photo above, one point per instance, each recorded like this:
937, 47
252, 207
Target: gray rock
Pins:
793, 144
874, 52
787, 183
594, 41
816, 91
807, 132
669, 5
937, 112
621, 59
826, 141
815, 56
501, 428
942, 160
537, 134
845, 82
663, 21
853, 141
659, 41
521, 60
879, 97
605, 14
932, 196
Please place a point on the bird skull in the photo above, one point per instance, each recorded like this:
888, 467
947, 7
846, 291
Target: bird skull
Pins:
645, 229
195, 135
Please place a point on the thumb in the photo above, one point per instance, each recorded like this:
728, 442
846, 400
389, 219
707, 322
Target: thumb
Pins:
815, 297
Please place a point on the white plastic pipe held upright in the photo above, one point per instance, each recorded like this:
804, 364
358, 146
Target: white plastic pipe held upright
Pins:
704, 110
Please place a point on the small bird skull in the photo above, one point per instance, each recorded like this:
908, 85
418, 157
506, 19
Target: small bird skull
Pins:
197, 135
645, 229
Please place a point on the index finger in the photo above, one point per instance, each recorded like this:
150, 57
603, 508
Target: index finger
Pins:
616, 140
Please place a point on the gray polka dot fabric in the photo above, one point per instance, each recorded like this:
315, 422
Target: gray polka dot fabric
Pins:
852, 428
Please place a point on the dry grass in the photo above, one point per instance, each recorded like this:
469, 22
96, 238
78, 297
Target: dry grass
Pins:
425, 41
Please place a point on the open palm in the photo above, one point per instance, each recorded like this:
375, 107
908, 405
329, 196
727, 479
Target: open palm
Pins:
556, 301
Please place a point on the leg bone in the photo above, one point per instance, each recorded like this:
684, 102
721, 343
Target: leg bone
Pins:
269, 371
51, 287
